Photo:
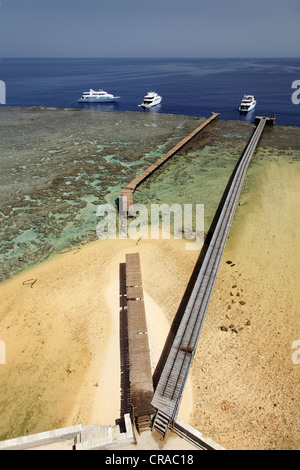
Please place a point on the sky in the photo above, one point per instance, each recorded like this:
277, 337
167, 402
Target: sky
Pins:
149, 28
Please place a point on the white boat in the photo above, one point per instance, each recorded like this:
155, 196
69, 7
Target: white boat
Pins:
151, 99
99, 96
248, 103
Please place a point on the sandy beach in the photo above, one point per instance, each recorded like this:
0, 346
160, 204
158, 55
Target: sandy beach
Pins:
60, 323
62, 334
244, 373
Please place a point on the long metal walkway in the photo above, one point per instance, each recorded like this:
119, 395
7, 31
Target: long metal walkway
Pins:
169, 390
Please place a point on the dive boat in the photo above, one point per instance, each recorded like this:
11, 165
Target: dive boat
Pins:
248, 103
151, 99
99, 96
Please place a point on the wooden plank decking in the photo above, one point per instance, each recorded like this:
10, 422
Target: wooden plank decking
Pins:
140, 372
127, 193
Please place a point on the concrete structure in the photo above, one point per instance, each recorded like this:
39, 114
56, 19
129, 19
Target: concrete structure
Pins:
94, 437
97, 437
195, 437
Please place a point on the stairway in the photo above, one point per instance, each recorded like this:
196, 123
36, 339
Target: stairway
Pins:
143, 423
161, 423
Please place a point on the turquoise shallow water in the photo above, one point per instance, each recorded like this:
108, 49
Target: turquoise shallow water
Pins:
58, 165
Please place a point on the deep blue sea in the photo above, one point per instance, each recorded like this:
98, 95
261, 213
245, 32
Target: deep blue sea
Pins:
193, 87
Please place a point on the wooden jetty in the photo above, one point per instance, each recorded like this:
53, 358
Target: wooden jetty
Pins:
140, 373
126, 200
170, 387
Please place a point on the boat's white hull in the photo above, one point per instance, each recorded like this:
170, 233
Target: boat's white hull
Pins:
150, 105
248, 104
243, 110
99, 100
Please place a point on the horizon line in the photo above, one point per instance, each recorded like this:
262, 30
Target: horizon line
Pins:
151, 58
